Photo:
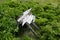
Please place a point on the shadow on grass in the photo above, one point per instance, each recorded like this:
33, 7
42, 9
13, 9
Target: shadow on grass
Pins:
24, 31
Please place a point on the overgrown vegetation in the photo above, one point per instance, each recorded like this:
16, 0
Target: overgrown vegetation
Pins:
47, 14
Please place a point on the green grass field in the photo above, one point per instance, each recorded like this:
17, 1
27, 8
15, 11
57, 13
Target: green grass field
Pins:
47, 14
